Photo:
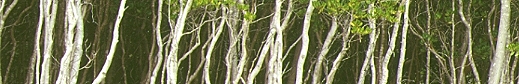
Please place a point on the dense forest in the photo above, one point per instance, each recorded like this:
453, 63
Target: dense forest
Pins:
259, 41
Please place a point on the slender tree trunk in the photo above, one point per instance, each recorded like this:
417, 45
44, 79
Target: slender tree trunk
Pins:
401, 60
452, 49
498, 64
428, 58
390, 50
215, 36
113, 46
371, 47
50, 16
326, 47
275, 73
35, 59
69, 67
305, 43
160, 45
345, 47
244, 54
231, 57
172, 63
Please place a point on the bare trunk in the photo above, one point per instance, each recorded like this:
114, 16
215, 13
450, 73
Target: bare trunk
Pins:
160, 44
171, 62
326, 47
371, 47
498, 64
113, 46
401, 60
305, 42
345, 47
215, 36
50, 16
390, 50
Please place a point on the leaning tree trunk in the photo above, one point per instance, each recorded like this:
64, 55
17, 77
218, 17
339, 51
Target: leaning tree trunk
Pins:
326, 47
305, 43
498, 64
403, 43
390, 50
113, 46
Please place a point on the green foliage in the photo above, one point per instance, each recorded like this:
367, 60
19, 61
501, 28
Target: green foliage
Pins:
513, 48
249, 16
359, 28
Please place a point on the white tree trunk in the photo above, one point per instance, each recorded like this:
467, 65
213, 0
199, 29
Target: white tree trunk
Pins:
160, 44
401, 60
172, 63
392, 41
305, 42
37, 51
371, 47
113, 46
231, 58
244, 55
345, 47
215, 36
324, 50
498, 64
69, 67
261, 57
275, 72
50, 10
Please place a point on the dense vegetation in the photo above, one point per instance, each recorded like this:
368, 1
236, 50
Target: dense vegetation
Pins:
259, 41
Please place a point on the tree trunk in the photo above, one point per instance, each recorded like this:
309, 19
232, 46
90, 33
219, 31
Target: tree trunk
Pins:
305, 43
498, 61
100, 78
401, 60
50, 10
371, 47
160, 45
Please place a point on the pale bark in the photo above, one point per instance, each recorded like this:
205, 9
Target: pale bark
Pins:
371, 48
468, 54
69, 66
214, 38
324, 50
50, 10
497, 63
392, 41
113, 46
244, 55
451, 57
160, 44
172, 63
403, 43
264, 50
305, 42
345, 47
428, 58
36, 58
231, 58
275, 72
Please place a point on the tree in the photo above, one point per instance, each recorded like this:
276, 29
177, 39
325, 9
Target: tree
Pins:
498, 60
100, 78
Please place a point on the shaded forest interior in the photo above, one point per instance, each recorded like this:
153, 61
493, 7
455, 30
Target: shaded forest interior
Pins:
136, 52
